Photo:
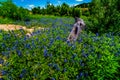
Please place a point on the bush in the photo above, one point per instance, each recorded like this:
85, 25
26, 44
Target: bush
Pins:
107, 14
10, 10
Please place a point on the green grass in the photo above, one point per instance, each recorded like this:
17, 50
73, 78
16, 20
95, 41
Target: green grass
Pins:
6, 21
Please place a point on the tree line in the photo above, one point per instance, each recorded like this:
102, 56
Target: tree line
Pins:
60, 10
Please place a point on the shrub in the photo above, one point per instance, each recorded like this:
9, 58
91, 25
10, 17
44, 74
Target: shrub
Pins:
10, 10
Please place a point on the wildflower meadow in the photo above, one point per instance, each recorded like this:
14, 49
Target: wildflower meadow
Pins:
34, 45
46, 55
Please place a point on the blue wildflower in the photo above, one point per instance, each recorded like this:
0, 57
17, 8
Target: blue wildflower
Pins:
38, 31
25, 38
45, 52
50, 55
3, 45
85, 45
77, 77
99, 56
82, 64
65, 60
19, 52
81, 74
21, 75
84, 55
50, 64
53, 78
68, 42
74, 55
3, 72
58, 38
97, 34
51, 42
27, 46
81, 61
56, 67
64, 70
86, 74
5, 54
80, 40
37, 39
1, 61
1, 78
35, 75
24, 71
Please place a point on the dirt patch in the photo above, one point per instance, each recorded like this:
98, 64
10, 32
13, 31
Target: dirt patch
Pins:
9, 27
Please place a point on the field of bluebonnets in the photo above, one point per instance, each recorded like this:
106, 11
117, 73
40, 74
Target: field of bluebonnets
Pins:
47, 55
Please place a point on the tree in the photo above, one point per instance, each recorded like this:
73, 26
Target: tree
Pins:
64, 9
36, 10
76, 12
10, 10
50, 8
106, 12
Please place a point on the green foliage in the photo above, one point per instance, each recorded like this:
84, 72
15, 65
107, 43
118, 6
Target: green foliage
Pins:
64, 9
60, 10
47, 55
107, 14
6, 21
10, 10
36, 10
76, 12
50, 9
